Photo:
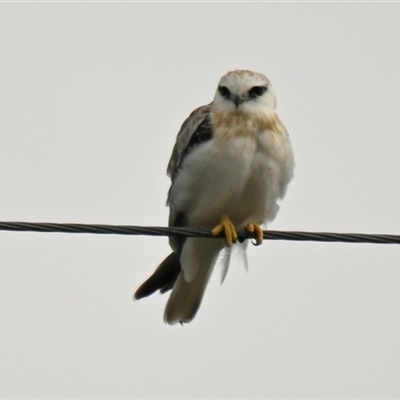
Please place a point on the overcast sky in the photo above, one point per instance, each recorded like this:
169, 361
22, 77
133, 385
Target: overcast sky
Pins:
92, 96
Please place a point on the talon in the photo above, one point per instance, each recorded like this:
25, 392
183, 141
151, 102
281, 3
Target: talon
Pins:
229, 230
258, 232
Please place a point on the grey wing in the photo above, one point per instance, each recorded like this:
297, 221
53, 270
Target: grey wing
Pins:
186, 132
195, 130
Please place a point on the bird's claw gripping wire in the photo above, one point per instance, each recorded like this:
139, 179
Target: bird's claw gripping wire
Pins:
257, 231
226, 226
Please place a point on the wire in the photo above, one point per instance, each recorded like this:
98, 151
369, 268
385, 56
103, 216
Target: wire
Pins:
161, 231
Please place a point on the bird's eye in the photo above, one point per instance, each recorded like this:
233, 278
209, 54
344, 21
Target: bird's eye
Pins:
224, 91
257, 91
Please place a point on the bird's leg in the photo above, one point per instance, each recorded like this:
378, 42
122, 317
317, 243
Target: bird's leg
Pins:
226, 226
257, 230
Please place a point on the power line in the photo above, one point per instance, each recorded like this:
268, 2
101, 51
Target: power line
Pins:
189, 232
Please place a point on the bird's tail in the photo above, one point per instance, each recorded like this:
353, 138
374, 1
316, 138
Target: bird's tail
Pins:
197, 262
163, 278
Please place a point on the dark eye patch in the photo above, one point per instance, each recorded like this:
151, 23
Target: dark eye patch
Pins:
257, 91
224, 91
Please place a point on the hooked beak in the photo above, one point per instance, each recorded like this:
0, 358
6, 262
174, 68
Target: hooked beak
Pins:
237, 100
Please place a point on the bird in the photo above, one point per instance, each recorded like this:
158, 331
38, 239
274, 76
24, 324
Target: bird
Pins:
231, 163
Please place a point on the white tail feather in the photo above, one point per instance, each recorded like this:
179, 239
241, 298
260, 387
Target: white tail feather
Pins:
235, 255
197, 262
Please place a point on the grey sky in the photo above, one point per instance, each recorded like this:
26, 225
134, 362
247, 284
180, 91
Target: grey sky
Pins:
92, 96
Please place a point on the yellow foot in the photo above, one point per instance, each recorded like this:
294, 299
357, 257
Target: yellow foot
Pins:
258, 232
229, 230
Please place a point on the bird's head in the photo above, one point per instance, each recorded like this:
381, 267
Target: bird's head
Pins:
246, 91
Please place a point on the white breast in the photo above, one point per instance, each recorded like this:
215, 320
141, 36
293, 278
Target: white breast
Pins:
240, 176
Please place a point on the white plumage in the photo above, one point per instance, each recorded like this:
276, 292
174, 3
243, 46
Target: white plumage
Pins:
231, 162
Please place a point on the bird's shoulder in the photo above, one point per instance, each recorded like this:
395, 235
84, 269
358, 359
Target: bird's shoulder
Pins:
194, 130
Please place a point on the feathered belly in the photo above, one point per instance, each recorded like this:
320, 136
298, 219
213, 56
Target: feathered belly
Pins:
236, 178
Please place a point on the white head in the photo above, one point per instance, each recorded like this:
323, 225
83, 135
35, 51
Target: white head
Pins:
243, 90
